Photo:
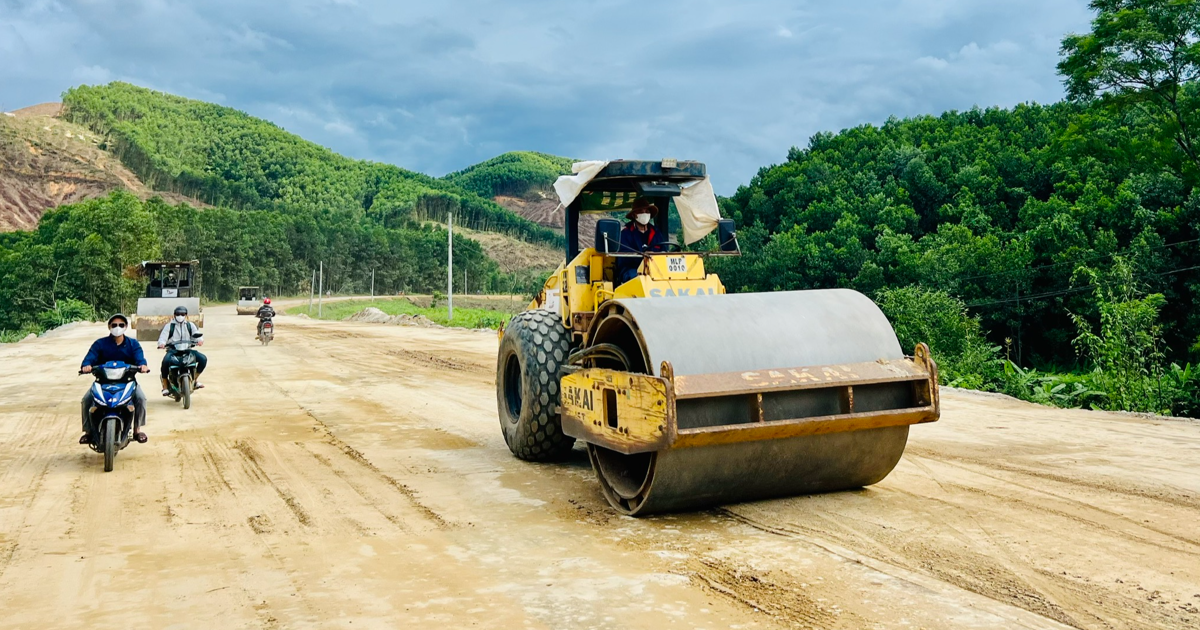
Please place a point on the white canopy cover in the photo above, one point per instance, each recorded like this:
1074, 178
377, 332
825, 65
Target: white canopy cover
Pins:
697, 204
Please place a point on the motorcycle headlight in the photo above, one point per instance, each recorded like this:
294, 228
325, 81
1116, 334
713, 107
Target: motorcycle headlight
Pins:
114, 374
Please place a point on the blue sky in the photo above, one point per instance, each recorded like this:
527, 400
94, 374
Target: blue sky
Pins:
437, 86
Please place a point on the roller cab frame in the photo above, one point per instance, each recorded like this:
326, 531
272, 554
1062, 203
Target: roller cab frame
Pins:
578, 365
249, 300
169, 284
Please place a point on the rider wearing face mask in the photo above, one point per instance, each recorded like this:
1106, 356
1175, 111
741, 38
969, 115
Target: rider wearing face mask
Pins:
180, 329
117, 347
638, 236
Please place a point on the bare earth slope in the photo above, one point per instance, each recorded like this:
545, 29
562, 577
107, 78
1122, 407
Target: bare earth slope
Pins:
542, 208
353, 476
46, 162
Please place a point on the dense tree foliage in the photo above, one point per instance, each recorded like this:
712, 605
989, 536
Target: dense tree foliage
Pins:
83, 257
996, 207
1142, 55
513, 174
227, 158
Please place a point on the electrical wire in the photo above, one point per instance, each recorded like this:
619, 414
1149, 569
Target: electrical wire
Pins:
1050, 294
1070, 262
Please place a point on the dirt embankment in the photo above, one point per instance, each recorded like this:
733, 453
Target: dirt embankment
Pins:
542, 208
46, 162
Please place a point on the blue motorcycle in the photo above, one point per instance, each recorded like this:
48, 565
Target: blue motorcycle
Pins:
111, 416
181, 371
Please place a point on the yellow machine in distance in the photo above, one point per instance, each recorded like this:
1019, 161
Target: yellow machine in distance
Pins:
688, 397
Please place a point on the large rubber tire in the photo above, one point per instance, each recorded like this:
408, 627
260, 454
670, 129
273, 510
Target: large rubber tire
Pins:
185, 386
534, 347
110, 444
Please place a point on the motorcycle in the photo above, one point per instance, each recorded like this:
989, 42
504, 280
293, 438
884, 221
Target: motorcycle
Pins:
111, 416
266, 333
181, 370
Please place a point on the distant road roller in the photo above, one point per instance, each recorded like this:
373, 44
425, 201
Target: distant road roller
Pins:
169, 283
687, 397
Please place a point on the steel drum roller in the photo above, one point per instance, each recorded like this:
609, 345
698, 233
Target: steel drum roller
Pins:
747, 332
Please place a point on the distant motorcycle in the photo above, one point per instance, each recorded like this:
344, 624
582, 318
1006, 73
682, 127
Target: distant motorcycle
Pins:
111, 416
181, 370
267, 334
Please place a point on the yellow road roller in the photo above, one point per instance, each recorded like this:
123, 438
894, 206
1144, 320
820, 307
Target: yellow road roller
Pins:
169, 284
687, 397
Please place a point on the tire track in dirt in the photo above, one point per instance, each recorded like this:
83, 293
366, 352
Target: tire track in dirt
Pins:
1174, 496
255, 467
359, 458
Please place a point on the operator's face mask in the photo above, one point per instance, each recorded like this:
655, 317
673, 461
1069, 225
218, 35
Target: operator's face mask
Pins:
180, 318
643, 218
117, 330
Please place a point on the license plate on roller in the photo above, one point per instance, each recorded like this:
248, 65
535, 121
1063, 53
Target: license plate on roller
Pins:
676, 264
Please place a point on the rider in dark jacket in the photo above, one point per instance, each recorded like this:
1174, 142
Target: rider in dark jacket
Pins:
265, 312
116, 347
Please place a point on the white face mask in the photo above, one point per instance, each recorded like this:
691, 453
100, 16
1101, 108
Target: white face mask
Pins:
643, 218
117, 331
180, 318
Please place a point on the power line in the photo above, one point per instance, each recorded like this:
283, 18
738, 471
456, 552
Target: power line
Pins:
1071, 262
1050, 294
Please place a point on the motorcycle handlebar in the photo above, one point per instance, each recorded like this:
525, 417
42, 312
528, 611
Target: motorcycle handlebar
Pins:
96, 368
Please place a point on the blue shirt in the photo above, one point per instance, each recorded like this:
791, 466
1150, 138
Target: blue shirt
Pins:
105, 349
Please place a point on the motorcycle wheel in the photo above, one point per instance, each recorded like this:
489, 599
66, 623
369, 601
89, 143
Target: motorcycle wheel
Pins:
109, 438
185, 384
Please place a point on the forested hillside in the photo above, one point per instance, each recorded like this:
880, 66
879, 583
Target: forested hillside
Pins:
513, 174
1000, 208
227, 158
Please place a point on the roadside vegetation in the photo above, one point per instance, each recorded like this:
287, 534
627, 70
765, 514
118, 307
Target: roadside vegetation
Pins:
481, 314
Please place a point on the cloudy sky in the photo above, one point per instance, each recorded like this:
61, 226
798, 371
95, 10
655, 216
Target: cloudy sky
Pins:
437, 86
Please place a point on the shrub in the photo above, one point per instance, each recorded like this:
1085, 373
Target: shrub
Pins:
964, 356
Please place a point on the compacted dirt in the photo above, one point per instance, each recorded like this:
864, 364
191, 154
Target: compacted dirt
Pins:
353, 476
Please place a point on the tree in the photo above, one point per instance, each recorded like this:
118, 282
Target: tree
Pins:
1143, 54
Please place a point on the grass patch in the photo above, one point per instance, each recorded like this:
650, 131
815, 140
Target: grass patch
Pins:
492, 316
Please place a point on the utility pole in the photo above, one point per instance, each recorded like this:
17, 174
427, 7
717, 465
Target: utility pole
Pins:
372, 283
450, 266
321, 291
312, 287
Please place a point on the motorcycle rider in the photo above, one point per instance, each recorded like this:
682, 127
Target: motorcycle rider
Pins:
180, 329
265, 312
116, 347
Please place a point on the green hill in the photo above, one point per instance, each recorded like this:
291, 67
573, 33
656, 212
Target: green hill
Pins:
513, 174
227, 158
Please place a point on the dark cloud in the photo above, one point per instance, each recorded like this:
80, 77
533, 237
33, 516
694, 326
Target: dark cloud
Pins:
438, 86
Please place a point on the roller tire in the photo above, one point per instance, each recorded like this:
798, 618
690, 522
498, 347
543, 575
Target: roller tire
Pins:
534, 348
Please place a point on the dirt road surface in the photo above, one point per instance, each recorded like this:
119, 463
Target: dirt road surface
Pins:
353, 476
